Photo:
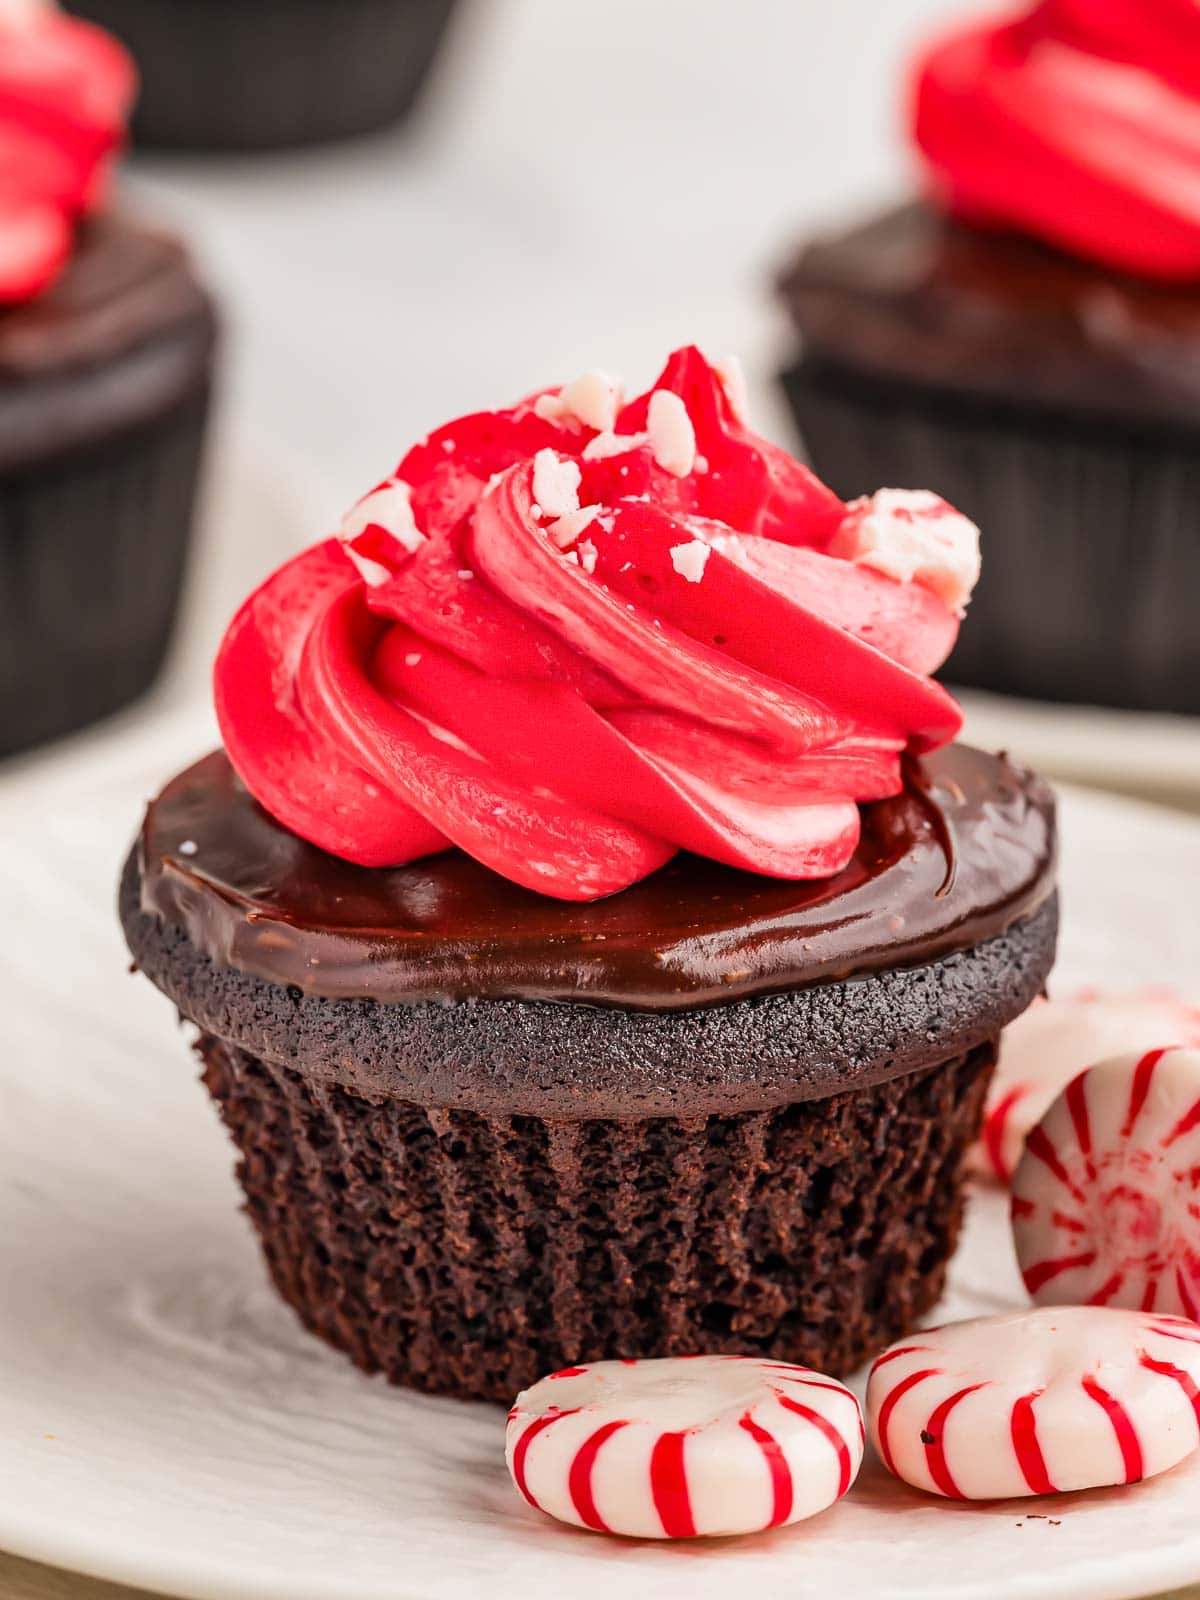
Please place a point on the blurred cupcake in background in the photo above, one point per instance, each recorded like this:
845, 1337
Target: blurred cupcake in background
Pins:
106, 342
1027, 337
263, 74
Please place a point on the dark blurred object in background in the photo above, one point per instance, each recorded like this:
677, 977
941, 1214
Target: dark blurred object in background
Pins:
104, 384
263, 74
1027, 343
1023, 386
106, 348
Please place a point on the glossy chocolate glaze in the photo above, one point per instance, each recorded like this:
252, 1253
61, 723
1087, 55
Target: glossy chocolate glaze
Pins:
123, 334
914, 296
964, 852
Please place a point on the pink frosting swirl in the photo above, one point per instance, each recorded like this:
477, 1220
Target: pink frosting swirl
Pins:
66, 89
573, 637
1077, 121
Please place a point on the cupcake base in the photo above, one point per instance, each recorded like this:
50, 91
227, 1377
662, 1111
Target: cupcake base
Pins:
1066, 507
465, 1191
469, 1255
92, 547
233, 75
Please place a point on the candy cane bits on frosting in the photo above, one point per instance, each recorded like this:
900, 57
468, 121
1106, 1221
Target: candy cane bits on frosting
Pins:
577, 635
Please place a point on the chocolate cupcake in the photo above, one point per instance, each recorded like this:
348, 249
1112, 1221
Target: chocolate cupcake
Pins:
263, 74
1026, 338
596, 947
106, 342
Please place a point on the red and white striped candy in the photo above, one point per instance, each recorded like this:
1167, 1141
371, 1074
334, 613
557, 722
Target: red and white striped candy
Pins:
684, 1447
1106, 1200
1034, 1402
1052, 1042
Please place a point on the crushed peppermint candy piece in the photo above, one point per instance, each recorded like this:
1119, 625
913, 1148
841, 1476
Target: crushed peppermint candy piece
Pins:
566, 529
588, 555
913, 536
380, 531
732, 377
613, 444
555, 484
412, 658
672, 436
690, 559
684, 1447
373, 573
187, 847
591, 400
388, 507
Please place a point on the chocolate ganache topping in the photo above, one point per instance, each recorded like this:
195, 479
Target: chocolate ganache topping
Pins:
126, 332
963, 852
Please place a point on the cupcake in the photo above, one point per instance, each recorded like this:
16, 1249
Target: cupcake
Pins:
105, 351
597, 945
1026, 336
258, 74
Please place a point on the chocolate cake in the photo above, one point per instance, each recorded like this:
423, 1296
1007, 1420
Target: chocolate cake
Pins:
271, 74
1045, 396
106, 346
104, 389
597, 945
1026, 336
485, 1134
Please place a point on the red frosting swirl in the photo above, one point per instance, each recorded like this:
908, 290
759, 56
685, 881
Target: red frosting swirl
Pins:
1078, 122
573, 637
66, 88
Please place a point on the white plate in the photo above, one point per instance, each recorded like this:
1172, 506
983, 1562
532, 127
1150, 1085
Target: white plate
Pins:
167, 1423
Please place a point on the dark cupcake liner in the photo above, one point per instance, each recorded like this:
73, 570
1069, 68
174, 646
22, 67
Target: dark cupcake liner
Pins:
469, 1254
1091, 568
92, 553
258, 74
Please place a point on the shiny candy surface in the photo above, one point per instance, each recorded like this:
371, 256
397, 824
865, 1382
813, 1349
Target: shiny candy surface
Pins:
1106, 1199
1054, 1041
1037, 1402
684, 1447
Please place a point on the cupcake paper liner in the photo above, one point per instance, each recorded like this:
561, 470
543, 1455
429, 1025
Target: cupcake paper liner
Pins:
256, 74
92, 552
469, 1254
1091, 565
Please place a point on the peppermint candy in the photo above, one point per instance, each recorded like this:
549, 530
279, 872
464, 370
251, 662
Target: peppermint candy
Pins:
1036, 1402
1106, 1200
912, 535
1056, 1039
692, 1446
